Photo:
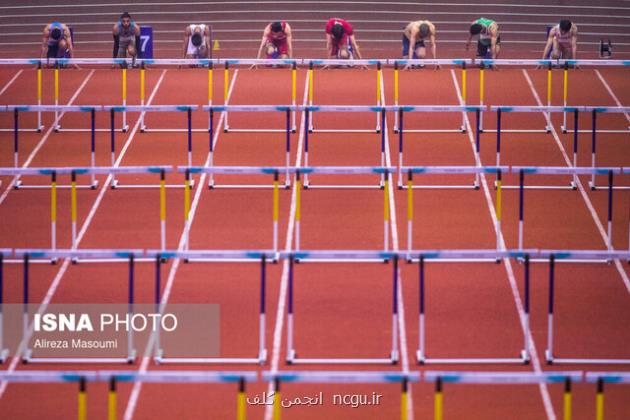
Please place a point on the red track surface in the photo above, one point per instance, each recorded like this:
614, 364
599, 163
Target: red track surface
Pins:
341, 310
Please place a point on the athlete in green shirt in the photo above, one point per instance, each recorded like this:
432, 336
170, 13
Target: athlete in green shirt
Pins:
488, 44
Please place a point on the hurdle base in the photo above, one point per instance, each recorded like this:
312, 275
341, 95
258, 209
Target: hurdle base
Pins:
260, 360
20, 185
423, 360
455, 260
540, 130
473, 186
563, 360
257, 130
211, 186
146, 129
565, 130
307, 186
461, 130
116, 185
347, 130
59, 129
273, 260
594, 187
4, 355
342, 260
292, 359
24, 130
27, 358
536, 187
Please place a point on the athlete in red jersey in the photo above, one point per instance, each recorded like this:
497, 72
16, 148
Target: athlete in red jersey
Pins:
340, 40
276, 41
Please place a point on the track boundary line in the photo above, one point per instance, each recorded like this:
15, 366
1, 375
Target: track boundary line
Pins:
535, 361
610, 91
66, 263
10, 82
580, 186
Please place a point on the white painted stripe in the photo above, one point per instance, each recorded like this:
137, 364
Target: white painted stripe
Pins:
10, 82
610, 92
535, 362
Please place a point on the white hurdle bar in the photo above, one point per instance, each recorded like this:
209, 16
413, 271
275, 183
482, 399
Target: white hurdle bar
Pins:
450, 170
564, 170
53, 172
292, 357
421, 353
27, 328
552, 257
575, 110
4, 352
16, 109
213, 256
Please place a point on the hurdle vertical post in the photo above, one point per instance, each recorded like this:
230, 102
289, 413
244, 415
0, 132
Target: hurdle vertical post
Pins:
162, 210
481, 90
382, 118
53, 210
277, 400
438, 400
464, 77
396, 118
142, 90
39, 95
287, 181
565, 89
599, 400
498, 211
399, 117
16, 141
56, 93
290, 350
420, 354
298, 210
478, 117
130, 351
241, 401
549, 351
610, 209
521, 192
404, 399
210, 82
124, 98
262, 353
73, 206
526, 284
309, 119
294, 94
226, 89
379, 75
211, 146
158, 300
549, 84
394, 354
93, 145
567, 399
575, 144
3, 351
409, 212
187, 209
386, 212
112, 399
82, 399
593, 145
189, 122
276, 207
498, 160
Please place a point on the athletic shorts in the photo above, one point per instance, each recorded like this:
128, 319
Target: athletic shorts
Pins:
483, 47
405, 48
281, 46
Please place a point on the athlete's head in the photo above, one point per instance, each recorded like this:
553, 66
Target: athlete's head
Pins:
475, 29
125, 19
55, 34
337, 30
196, 39
276, 27
424, 30
565, 25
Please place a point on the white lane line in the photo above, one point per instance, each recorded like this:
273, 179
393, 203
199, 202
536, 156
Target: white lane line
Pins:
39, 145
132, 402
284, 279
10, 82
610, 92
404, 355
66, 262
583, 193
535, 362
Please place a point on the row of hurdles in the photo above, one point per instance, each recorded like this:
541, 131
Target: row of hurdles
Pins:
289, 110
278, 400
382, 174
290, 259
312, 64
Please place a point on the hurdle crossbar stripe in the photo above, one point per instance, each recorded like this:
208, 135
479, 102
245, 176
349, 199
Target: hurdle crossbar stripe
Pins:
78, 253
129, 376
343, 377
97, 170
53, 108
212, 254
607, 377
454, 169
565, 170
270, 170
502, 377
557, 109
151, 108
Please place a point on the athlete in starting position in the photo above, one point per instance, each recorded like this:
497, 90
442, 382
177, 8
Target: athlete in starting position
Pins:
563, 39
415, 33
340, 40
489, 43
277, 41
57, 41
126, 38
197, 41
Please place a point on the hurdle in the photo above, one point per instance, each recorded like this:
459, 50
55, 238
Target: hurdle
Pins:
401, 110
4, 352
338, 256
450, 170
573, 171
92, 172
40, 125
552, 257
600, 379
425, 62
27, 328
143, 109
288, 111
16, 109
351, 63
440, 378
215, 256
112, 378
548, 110
291, 63
421, 353
328, 377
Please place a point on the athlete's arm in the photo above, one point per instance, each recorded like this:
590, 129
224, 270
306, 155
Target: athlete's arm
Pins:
574, 43
355, 46
412, 41
263, 41
289, 34
186, 36
45, 41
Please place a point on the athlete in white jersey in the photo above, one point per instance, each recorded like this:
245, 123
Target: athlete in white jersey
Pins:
563, 39
197, 41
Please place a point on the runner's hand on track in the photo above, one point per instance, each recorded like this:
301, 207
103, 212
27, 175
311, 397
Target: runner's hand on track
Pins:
253, 66
437, 67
